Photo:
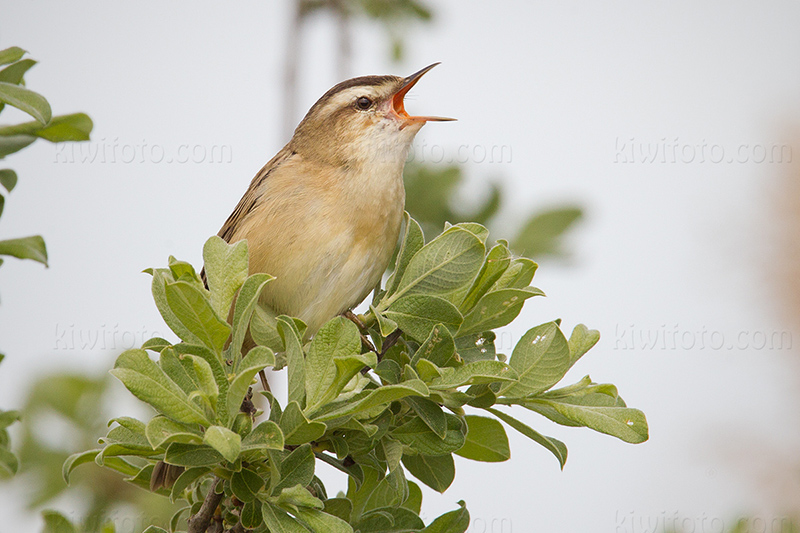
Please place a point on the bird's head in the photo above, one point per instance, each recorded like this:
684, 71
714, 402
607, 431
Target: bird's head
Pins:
361, 120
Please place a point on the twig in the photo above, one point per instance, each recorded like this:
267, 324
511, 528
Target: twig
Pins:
390, 341
199, 522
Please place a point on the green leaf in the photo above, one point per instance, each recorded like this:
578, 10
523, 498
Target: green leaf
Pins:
339, 337
473, 374
246, 303
390, 490
8, 417
245, 484
126, 439
14, 73
297, 429
453, 522
187, 477
148, 382
187, 352
25, 248
385, 325
8, 179
298, 496
442, 267
627, 424
413, 241
414, 501
319, 521
63, 128
264, 329
225, 441
181, 454
518, 275
9, 464
117, 463
439, 348
178, 370
542, 232
473, 227
479, 347
392, 452
278, 521
156, 344
418, 436
173, 522
250, 515
486, 440
295, 359
193, 310
497, 261
346, 368
418, 314
205, 378
13, 143
161, 431
295, 469
383, 395
341, 507
155, 529
556, 447
581, 341
430, 413
26, 100
75, 460
265, 436
10, 55
256, 360
541, 358
437, 472
390, 520
162, 276
226, 270
55, 522
427, 371
496, 309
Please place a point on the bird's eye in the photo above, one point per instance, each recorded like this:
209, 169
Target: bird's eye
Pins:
363, 103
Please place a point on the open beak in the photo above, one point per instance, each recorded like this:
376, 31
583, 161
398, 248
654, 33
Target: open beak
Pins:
397, 100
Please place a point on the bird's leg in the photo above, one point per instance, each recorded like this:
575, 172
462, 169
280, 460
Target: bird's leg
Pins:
361, 329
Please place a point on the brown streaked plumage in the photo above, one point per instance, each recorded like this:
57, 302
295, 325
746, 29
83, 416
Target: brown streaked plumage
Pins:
323, 216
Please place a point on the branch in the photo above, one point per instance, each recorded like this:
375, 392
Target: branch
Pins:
199, 522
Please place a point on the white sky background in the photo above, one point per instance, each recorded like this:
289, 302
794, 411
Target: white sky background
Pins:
681, 245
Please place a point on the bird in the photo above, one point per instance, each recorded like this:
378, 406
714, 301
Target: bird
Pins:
323, 216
